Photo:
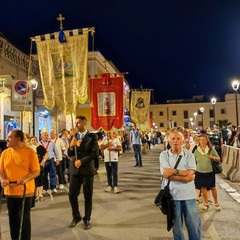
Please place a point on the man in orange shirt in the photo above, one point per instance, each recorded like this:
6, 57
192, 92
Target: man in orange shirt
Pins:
18, 164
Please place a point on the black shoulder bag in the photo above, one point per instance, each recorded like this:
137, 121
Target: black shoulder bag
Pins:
217, 166
164, 195
164, 201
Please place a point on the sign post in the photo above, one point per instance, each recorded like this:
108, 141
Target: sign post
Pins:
21, 96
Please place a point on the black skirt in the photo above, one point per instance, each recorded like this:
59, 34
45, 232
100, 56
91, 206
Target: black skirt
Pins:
206, 180
39, 179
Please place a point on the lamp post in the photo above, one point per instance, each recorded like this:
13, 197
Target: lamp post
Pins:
34, 85
195, 117
191, 121
202, 110
235, 86
213, 101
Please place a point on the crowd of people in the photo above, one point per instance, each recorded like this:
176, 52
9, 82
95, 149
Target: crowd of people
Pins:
73, 156
194, 177
70, 156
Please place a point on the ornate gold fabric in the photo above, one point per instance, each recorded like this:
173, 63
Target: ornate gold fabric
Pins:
140, 102
63, 70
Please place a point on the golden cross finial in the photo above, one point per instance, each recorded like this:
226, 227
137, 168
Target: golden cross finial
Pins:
61, 19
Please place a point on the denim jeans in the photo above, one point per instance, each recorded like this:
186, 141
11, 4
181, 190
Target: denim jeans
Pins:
60, 172
50, 169
138, 153
188, 210
112, 173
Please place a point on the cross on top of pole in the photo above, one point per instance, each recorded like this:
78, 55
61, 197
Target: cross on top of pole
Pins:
61, 19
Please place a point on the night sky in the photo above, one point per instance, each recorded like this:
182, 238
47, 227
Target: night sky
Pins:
178, 48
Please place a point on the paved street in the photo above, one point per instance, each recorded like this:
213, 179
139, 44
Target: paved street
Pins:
129, 215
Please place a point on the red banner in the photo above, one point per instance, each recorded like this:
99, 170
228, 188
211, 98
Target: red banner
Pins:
151, 119
106, 96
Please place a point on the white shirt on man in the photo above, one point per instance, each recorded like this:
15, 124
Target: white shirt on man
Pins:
111, 155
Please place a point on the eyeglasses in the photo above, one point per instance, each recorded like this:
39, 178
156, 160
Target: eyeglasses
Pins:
77, 123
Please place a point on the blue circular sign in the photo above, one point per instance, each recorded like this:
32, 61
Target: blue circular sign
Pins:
21, 87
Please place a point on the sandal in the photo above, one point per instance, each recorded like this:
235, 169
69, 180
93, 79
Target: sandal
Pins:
205, 206
217, 207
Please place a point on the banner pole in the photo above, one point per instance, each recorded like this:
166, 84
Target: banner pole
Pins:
75, 147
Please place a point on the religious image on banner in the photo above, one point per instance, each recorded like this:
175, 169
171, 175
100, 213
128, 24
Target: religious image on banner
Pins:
62, 65
140, 103
139, 107
106, 94
106, 104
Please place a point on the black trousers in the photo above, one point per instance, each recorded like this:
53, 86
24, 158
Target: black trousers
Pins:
74, 190
14, 211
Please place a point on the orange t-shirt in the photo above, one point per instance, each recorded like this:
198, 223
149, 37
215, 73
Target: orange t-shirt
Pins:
16, 164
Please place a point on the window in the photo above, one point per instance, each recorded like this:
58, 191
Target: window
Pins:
185, 114
185, 125
161, 113
211, 123
175, 124
211, 113
223, 111
174, 113
161, 125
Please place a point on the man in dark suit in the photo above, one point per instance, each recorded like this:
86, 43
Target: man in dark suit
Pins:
84, 144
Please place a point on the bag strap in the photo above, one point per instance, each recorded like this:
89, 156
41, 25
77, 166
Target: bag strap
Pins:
176, 165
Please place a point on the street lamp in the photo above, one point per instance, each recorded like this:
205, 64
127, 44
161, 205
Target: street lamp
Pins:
213, 101
191, 121
235, 86
195, 116
34, 85
202, 110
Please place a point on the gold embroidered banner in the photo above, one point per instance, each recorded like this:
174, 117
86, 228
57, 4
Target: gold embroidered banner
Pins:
63, 70
139, 108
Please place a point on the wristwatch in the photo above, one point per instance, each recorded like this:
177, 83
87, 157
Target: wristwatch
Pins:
177, 172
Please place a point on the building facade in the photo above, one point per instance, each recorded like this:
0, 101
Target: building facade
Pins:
14, 65
181, 113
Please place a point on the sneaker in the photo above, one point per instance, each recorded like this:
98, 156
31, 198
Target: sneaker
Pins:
108, 189
44, 191
40, 198
55, 190
116, 190
61, 186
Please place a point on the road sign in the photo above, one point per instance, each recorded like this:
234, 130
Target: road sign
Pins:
21, 96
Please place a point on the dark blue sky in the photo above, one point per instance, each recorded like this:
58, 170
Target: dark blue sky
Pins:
178, 48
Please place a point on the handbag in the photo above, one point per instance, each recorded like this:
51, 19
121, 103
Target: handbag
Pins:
164, 195
164, 200
217, 167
